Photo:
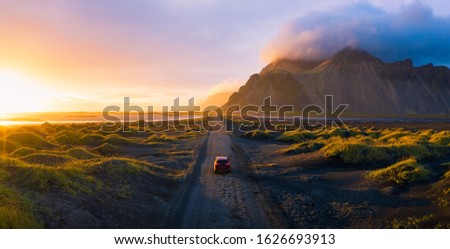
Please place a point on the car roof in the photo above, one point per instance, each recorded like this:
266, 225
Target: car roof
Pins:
221, 158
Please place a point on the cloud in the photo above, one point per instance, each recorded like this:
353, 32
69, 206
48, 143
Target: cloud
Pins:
412, 32
229, 85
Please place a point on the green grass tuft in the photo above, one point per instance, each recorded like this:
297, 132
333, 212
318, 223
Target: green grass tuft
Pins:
67, 137
304, 147
107, 149
411, 222
360, 150
7, 146
441, 138
258, 134
338, 132
118, 140
16, 211
30, 140
84, 131
401, 151
47, 159
394, 136
160, 138
354, 153
42, 178
296, 136
24, 151
91, 140
11, 162
116, 167
81, 153
60, 128
402, 173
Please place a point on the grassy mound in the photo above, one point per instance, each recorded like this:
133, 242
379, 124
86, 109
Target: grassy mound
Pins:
374, 134
354, 153
107, 149
296, 136
407, 150
258, 134
46, 159
81, 153
359, 151
47, 128
30, 140
118, 140
115, 167
429, 151
24, 151
91, 140
413, 139
338, 132
43, 178
34, 130
441, 138
402, 173
16, 211
159, 138
84, 131
447, 175
60, 128
441, 193
62, 139
3, 174
67, 137
7, 146
393, 136
304, 147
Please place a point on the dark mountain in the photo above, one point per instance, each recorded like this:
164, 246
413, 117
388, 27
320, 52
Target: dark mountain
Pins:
354, 77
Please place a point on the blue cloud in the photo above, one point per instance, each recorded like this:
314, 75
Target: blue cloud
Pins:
413, 32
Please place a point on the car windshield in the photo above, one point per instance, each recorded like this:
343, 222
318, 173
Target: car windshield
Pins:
222, 161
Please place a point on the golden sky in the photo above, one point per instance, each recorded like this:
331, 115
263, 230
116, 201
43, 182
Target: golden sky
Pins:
84, 55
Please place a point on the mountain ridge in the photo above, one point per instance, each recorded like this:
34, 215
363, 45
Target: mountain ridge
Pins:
355, 77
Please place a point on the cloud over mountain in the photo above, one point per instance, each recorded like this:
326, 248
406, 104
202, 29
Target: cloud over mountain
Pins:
412, 32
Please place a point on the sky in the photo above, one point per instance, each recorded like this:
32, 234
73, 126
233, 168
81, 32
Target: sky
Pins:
413, 31
84, 55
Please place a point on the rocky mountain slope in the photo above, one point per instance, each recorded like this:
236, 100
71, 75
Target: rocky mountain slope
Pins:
354, 77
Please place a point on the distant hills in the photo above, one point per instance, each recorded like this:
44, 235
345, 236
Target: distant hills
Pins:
355, 77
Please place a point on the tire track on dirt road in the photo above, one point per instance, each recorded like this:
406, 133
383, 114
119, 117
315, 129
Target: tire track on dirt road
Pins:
210, 200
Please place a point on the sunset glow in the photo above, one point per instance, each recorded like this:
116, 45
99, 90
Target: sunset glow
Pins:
95, 53
21, 93
284, 121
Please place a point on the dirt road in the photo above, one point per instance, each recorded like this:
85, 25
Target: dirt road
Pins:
212, 200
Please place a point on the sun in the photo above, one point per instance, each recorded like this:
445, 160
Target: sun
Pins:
20, 93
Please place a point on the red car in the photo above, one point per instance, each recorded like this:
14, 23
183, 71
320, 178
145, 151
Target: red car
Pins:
222, 164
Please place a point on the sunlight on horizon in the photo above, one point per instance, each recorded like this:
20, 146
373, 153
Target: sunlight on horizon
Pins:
21, 93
